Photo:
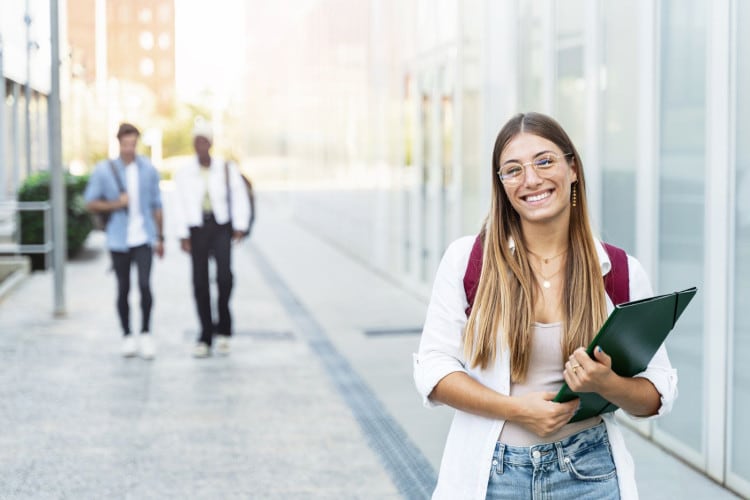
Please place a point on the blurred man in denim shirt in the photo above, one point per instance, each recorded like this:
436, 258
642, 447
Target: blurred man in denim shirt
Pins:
127, 188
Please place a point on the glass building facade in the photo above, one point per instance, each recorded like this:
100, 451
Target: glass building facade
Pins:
24, 85
653, 94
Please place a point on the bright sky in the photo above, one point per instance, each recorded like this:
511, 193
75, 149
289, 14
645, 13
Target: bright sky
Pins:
209, 46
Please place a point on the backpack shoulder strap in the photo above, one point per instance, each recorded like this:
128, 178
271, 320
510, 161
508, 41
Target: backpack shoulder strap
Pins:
117, 176
617, 280
473, 271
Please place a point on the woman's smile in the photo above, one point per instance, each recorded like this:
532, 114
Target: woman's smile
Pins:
538, 197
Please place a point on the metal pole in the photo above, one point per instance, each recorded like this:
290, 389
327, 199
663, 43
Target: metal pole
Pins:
27, 91
57, 191
16, 140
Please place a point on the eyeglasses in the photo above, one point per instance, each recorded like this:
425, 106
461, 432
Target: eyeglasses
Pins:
511, 174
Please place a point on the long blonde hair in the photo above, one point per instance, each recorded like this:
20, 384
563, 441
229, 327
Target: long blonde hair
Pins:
506, 292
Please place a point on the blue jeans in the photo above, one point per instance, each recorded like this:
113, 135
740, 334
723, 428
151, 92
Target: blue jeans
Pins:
579, 467
121, 262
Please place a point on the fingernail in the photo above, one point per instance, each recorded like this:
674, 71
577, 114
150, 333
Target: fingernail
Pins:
598, 348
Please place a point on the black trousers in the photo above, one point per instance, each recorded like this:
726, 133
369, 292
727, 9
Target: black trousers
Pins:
121, 262
212, 240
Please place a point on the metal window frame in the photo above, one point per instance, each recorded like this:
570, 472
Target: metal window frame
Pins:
716, 265
732, 480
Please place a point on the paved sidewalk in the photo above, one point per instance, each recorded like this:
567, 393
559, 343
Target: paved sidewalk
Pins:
79, 421
316, 400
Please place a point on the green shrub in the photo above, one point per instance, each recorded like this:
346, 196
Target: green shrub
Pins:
36, 187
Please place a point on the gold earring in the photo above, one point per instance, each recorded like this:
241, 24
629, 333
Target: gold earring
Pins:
574, 195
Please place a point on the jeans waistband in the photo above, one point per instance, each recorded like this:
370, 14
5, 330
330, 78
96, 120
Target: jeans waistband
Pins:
552, 452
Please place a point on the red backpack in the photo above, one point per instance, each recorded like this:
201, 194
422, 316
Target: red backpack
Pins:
616, 281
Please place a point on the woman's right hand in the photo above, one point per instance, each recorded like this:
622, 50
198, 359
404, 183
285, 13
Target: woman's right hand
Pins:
538, 413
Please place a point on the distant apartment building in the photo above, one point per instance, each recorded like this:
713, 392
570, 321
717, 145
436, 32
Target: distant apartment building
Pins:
131, 42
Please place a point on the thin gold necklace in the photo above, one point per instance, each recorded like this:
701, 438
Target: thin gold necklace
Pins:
546, 283
546, 259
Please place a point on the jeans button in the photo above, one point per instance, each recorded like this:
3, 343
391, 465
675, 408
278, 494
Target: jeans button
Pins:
536, 454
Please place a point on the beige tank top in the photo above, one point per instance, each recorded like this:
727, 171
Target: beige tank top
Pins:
545, 374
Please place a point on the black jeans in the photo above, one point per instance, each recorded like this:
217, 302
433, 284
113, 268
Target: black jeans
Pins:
212, 239
121, 262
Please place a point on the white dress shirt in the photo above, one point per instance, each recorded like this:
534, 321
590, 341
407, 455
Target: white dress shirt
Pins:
467, 457
190, 188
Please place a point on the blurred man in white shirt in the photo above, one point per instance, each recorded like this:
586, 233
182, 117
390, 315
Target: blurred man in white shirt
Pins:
211, 211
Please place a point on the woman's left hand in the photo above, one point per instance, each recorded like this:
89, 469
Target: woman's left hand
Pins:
584, 374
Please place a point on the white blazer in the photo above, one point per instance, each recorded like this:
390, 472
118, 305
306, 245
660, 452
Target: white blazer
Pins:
190, 189
467, 457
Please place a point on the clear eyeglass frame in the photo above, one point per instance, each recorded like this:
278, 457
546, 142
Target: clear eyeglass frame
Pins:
512, 174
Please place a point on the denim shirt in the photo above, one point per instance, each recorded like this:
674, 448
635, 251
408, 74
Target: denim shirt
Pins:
103, 186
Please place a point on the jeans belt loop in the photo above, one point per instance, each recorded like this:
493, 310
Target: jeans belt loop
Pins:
561, 457
500, 458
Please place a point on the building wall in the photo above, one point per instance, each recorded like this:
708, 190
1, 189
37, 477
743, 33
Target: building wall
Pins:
140, 45
122, 56
657, 113
81, 16
655, 95
24, 83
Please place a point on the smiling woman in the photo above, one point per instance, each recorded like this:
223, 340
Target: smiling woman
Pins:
540, 297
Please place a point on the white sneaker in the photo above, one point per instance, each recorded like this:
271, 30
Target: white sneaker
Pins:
146, 346
222, 345
129, 347
201, 350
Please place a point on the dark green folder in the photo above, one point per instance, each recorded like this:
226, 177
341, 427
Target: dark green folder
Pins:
631, 336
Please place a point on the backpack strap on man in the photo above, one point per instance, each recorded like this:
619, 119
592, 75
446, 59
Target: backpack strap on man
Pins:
116, 175
616, 281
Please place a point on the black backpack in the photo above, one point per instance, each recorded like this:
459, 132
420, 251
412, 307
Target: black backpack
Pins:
250, 196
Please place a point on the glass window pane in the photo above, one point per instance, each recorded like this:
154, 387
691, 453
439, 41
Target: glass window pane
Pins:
739, 431
472, 163
681, 201
425, 206
619, 80
530, 60
570, 82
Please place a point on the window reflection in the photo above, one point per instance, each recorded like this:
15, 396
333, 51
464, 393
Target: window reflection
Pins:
619, 123
682, 200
